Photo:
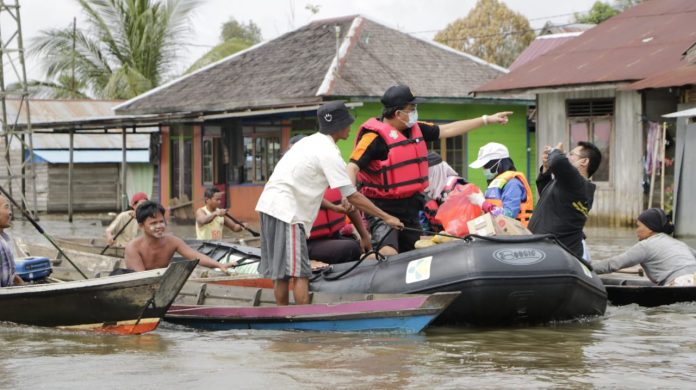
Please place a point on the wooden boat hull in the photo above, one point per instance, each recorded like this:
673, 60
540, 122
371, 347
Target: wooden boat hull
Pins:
89, 245
126, 304
342, 313
641, 291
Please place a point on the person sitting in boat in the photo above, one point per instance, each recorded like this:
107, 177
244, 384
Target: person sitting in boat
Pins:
8, 276
155, 248
507, 189
666, 260
124, 228
442, 179
210, 219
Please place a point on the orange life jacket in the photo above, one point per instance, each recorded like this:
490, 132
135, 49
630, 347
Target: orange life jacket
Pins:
495, 190
328, 222
405, 171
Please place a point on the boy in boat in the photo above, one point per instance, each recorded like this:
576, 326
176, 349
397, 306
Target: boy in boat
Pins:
210, 219
154, 249
124, 228
8, 277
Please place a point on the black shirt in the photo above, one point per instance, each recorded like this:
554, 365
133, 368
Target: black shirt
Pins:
565, 199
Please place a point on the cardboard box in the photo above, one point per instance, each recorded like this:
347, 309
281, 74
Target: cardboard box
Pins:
499, 225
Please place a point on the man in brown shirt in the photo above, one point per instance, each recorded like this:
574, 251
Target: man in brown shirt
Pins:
155, 248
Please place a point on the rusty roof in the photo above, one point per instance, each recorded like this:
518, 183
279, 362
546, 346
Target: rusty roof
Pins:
541, 45
677, 77
638, 43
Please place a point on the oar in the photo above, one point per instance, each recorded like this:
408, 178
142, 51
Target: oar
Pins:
253, 233
116, 236
40, 230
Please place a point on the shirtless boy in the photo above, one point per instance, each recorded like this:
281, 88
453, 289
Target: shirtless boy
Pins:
154, 249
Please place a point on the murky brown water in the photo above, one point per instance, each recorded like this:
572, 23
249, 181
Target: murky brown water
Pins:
630, 347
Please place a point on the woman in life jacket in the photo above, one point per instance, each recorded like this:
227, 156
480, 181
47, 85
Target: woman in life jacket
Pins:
508, 191
442, 179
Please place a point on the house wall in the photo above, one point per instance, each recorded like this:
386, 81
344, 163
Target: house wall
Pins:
685, 181
619, 201
164, 168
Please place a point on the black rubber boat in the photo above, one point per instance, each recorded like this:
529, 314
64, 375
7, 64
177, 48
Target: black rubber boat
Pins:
625, 290
503, 280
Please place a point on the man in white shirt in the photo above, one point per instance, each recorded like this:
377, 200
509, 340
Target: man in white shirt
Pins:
292, 197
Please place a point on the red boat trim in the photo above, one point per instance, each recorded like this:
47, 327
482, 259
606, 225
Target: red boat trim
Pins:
120, 327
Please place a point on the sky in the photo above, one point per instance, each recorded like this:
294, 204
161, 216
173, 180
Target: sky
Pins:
422, 18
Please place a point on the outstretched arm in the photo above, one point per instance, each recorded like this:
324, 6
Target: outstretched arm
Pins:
454, 129
189, 253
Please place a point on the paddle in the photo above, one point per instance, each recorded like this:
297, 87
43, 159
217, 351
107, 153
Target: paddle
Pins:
116, 236
253, 233
40, 230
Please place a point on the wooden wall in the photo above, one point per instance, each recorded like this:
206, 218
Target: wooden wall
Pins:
95, 187
619, 201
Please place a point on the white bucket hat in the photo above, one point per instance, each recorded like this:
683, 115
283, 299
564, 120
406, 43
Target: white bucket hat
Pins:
488, 152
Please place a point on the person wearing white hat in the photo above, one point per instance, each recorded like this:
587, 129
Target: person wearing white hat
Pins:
507, 189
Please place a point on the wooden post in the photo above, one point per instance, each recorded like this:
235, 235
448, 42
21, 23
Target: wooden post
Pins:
70, 176
654, 169
124, 193
662, 164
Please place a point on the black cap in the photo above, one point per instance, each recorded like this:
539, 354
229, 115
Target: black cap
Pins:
399, 96
333, 116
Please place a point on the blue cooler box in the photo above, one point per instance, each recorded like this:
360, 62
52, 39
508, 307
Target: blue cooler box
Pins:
33, 268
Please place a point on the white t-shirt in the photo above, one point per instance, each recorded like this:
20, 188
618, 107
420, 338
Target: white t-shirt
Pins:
294, 191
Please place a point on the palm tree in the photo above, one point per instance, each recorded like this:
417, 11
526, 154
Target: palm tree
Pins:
128, 47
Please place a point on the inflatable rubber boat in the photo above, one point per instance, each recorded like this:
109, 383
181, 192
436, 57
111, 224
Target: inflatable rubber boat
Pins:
504, 280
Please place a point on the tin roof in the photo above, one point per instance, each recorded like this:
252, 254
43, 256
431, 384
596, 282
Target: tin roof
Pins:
91, 156
638, 43
541, 45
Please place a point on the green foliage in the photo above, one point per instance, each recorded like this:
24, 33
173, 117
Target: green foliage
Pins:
126, 49
249, 32
598, 13
490, 31
219, 52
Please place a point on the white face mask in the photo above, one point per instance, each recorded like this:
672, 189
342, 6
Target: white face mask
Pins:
412, 118
492, 172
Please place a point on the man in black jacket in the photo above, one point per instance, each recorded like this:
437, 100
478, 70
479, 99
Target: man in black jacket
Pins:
566, 193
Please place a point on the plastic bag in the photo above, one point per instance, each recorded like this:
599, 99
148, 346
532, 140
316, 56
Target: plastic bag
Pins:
456, 211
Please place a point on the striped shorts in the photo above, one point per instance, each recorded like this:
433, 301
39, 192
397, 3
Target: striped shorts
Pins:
283, 250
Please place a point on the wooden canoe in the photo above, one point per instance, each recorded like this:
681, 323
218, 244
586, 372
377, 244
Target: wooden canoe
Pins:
132, 303
218, 307
625, 289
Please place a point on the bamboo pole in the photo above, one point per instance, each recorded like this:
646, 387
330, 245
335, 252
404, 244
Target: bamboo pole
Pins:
70, 176
652, 173
663, 141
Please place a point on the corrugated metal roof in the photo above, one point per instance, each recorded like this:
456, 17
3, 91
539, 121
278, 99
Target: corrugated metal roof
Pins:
636, 44
91, 156
680, 76
679, 114
91, 141
540, 46
49, 110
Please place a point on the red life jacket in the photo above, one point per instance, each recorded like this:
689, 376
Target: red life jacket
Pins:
328, 222
405, 171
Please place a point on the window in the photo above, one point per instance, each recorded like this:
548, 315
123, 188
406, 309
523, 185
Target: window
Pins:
181, 151
208, 161
593, 121
452, 150
261, 152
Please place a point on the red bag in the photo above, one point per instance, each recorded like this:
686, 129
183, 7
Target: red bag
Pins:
456, 211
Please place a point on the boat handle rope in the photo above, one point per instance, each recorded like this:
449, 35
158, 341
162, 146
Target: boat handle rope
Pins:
380, 258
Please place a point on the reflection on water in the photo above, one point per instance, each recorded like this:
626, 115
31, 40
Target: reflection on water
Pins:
630, 347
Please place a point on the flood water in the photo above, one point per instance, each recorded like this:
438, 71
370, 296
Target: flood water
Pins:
630, 347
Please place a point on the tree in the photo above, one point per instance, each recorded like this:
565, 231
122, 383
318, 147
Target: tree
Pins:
490, 31
597, 14
235, 37
232, 29
126, 49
